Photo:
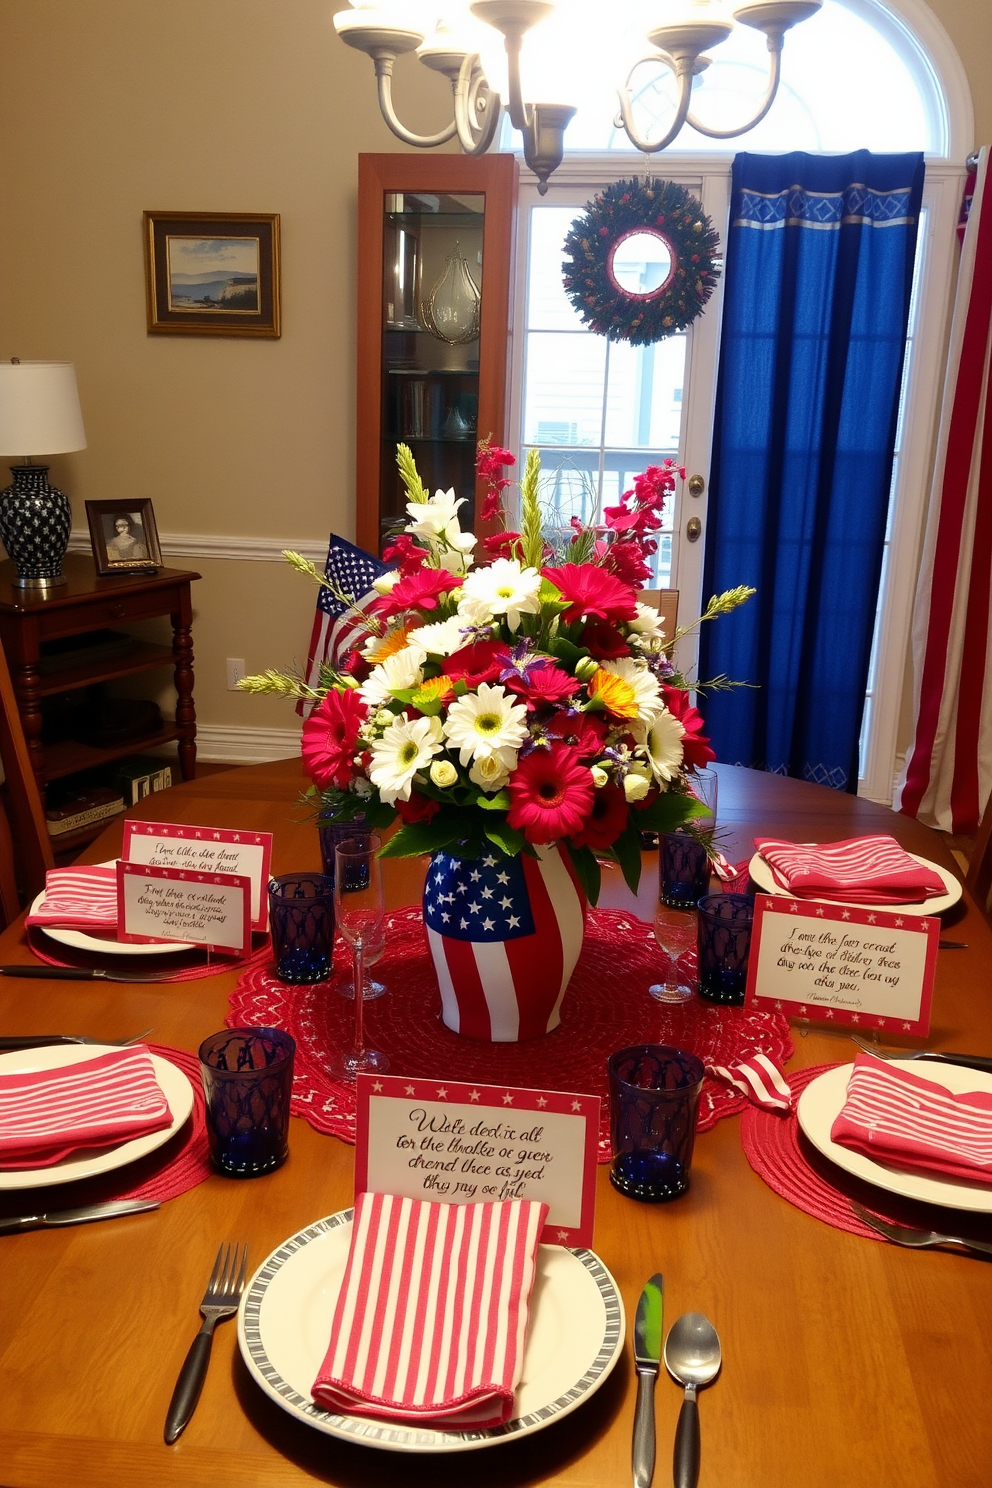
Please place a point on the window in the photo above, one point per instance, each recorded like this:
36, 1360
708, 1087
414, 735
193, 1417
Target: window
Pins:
600, 412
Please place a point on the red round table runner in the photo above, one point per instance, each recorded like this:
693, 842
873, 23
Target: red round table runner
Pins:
779, 1153
606, 1007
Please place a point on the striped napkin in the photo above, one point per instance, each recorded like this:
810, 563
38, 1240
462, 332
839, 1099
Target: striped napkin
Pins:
862, 870
430, 1322
759, 1078
47, 1114
898, 1118
83, 897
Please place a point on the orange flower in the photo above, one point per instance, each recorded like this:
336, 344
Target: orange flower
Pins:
434, 690
618, 696
394, 642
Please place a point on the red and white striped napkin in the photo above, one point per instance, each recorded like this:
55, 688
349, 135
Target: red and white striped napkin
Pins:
47, 1114
899, 1118
83, 897
431, 1318
759, 1078
863, 870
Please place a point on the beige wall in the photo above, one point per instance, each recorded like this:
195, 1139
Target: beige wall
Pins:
111, 107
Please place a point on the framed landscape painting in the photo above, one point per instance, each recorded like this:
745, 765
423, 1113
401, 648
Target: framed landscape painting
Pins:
213, 274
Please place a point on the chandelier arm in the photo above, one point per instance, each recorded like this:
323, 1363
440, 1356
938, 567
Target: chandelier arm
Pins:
683, 68
472, 93
521, 117
384, 79
775, 44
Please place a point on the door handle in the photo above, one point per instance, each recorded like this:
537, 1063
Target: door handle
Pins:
693, 529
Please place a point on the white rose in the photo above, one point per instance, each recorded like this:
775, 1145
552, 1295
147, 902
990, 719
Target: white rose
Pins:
599, 777
635, 787
489, 772
443, 773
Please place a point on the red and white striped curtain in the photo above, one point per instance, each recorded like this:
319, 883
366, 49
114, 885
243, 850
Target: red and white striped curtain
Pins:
948, 773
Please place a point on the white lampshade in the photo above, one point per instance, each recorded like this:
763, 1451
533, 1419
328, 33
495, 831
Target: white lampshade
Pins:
39, 409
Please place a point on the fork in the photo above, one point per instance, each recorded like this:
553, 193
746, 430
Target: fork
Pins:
916, 1239
220, 1300
934, 1056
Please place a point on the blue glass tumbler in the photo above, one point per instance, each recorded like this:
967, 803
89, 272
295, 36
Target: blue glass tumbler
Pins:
333, 832
301, 918
654, 1099
247, 1076
684, 870
724, 944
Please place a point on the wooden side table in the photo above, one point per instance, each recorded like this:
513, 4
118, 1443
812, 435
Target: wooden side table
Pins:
88, 603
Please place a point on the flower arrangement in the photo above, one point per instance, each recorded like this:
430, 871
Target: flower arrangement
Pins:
509, 702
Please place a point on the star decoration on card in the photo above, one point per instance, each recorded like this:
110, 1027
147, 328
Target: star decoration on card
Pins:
794, 908
821, 911
508, 1099
906, 1027
562, 1236
576, 1105
899, 922
442, 1092
542, 1101
778, 1007
802, 1008
873, 919
409, 1090
216, 836
474, 1095
855, 1017
830, 1012
377, 1086
846, 915
881, 1022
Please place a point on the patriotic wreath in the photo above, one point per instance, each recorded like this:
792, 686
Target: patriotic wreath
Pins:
671, 213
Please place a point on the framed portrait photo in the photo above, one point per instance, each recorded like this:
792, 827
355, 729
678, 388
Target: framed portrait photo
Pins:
212, 274
123, 536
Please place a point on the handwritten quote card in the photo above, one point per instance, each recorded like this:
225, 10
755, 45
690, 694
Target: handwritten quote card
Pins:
842, 964
205, 850
209, 909
468, 1143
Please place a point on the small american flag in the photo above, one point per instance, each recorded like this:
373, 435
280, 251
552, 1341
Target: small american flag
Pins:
495, 924
336, 626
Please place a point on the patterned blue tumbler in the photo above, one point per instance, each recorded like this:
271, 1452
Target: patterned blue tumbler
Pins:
301, 918
654, 1099
684, 870
247, 1076
724, 943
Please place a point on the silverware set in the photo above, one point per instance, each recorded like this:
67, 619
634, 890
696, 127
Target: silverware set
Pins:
692, 1357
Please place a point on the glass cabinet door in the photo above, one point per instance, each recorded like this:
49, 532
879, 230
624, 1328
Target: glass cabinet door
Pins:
434, 264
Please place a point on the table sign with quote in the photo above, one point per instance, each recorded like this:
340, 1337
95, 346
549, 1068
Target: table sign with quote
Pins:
843, 964
205, 850
472, 1143
176, 904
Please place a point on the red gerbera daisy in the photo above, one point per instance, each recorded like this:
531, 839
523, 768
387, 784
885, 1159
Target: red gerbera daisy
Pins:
551, 794
604, 641
583, 732
606, 820
476, 663
592, 591
419, 808
696, 749
544, 683
330, 737
417, 591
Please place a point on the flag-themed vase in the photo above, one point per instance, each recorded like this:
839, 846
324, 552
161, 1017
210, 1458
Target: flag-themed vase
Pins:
505, 934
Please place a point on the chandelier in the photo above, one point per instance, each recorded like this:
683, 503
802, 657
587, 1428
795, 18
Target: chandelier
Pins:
484, 77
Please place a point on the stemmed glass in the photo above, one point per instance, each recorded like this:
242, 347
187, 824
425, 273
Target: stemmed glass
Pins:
675, 932
359, 911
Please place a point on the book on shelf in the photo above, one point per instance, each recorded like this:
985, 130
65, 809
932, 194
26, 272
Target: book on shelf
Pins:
139, 775
70, 808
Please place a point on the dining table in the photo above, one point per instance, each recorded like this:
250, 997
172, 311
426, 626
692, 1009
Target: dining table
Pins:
848, 1362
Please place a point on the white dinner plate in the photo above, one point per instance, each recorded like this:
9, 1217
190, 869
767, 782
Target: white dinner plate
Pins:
821, 1101
762, 874
93, 1160
575, 1337
106, 944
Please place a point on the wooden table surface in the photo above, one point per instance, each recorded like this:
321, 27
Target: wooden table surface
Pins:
847, 1363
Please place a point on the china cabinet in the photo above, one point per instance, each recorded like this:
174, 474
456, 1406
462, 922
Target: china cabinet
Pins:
435, 251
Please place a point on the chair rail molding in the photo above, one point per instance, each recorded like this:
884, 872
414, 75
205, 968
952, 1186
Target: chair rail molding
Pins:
207, 545
220, 744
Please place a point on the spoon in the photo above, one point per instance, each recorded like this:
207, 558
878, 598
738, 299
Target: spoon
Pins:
692, 1357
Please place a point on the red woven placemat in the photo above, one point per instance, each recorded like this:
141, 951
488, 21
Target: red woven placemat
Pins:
172, 1169
779, 1153
606, 1007
182, 966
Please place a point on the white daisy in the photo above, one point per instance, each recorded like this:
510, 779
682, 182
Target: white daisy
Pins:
441, 638
503, 588
646, 627
490, 772
664, 746
402, 670
396, 638
486, 722
408, 745
645, 692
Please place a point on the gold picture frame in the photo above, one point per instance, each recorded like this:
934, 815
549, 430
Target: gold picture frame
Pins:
123, 536
212, 273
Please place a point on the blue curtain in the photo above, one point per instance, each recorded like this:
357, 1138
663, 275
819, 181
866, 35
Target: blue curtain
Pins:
819, 269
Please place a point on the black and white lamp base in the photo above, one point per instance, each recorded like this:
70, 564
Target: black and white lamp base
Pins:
35, 520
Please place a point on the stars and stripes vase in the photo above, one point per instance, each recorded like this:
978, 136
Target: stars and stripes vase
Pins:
505, 934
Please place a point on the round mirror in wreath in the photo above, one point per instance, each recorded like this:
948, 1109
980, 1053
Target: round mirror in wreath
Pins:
641, 261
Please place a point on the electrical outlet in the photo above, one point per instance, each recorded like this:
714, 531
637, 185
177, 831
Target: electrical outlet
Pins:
235, 671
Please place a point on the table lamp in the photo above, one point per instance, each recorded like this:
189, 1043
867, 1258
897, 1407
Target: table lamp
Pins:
39, 413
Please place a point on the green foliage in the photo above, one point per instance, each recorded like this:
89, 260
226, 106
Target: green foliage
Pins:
588, 871
628, 854
507, 839
531, 527
410, 475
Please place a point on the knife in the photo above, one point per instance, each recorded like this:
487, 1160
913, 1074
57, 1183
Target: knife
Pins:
73, 974
647, 1357
58, 1217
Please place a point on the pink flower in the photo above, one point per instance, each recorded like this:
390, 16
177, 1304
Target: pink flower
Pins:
476, 663
591, 591
417, 591
625, 560
330, 738
606, 820
696, 749
502, 545
490, 460
551, 794
543, 683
